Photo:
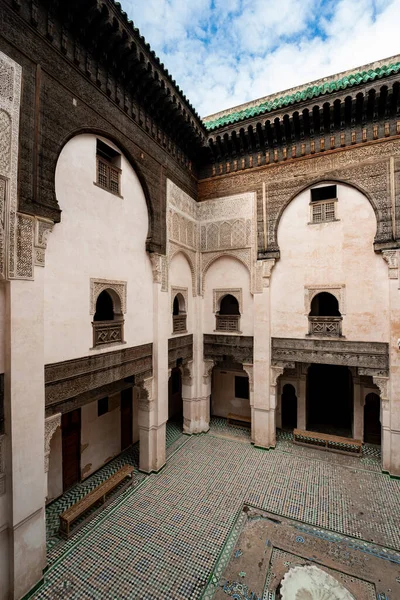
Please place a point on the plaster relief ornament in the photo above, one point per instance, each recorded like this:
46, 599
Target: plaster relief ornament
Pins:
312, 583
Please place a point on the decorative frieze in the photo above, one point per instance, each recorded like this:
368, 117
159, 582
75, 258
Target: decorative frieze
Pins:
180, 348
373, 355
71, 378
219, 348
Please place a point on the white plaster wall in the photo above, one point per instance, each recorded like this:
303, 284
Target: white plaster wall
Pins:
340, 252
223, 399
100, 436
55, 475
227, 272
100, 236
180, 275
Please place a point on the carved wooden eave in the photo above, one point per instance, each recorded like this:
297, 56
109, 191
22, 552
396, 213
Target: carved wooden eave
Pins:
98, 37
231, 348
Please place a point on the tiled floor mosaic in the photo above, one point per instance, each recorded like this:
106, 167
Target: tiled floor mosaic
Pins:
56, 546
161, 541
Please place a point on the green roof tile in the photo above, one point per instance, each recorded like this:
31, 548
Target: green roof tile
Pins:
305, 94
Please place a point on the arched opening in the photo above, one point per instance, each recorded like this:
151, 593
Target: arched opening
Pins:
230, 397
324, 318
175, 402
330, 400
108, 321
372, 424
228, 315
179, 314
289, 407
104, 307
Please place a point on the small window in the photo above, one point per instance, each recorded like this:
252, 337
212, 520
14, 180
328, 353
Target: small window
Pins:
108, 171
242, 388
102, 407
327, 192
228, 316
179, 314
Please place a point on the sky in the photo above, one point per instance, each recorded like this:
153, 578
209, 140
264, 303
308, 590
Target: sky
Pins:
223, 53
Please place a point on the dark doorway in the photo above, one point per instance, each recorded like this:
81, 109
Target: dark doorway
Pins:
175, 402
71, 448
289, 407
126, 419
372, 424
330, 400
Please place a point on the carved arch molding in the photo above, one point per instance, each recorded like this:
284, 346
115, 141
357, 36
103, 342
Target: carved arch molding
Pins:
374, 170
100, 285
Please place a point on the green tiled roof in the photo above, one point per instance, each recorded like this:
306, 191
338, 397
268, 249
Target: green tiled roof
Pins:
304, 94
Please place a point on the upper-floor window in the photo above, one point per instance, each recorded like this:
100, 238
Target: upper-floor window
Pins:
179, 314
228, 316
323, 204
325, 318
108, 168
108, 322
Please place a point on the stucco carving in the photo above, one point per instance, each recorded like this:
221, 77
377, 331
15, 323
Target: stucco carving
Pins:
337, 290
179, 290
159, 268
145, 394
99, 285
391, 257
50, 426
250, 372
208, 369
383, 385
233, 233
220, 293
187, 373
43, 228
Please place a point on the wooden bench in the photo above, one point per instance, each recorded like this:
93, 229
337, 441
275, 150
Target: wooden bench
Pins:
235, 419
98, 495
325, 441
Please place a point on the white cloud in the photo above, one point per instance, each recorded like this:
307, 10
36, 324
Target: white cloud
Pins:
226, 53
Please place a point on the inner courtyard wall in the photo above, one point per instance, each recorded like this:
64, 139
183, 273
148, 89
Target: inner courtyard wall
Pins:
223, 400
101, 236
336, 257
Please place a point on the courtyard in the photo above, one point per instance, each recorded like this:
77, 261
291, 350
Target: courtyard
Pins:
163, 538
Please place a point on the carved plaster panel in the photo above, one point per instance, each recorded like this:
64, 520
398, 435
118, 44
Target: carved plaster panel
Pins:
240, 205
99, 285
337, 290
208, 369
391, 257
180, 200
159, 268
43, 229
50, 426
179, 290
220, 293
10, 91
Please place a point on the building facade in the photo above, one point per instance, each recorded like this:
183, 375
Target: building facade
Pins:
155, 266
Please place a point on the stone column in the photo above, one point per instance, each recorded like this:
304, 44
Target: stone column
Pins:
249, 370
153, 410
263, 413
25, 406
390, 397
302, 397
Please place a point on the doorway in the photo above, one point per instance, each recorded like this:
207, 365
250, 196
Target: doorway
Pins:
126, 419
71, 448
175, 402
330, 400
289, 407
372, 424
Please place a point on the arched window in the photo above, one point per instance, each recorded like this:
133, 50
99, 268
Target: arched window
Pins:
179, 314
228, 316
108, 320
325, 318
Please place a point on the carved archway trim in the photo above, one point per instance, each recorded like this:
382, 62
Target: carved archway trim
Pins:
50, 426
100, 285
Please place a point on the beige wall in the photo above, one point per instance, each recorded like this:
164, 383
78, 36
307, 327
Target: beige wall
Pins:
228, 273
340, 252
100, 436
223, 399
100, 236
180, 275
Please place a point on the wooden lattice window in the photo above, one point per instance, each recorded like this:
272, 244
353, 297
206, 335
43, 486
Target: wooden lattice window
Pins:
323, 211
323, 204
108, 171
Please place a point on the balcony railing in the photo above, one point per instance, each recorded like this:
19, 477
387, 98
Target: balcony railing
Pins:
227, 322
179, 323
107, 332
325, 326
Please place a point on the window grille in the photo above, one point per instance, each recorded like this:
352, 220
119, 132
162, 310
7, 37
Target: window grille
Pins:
323, 212
227, 322
108, 176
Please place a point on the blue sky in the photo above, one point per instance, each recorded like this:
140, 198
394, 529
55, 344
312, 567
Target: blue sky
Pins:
226, 52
